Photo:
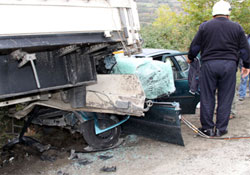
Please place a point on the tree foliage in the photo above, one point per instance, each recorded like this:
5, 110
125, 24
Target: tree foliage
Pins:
241, 14
173, 30
200, 10
167, 31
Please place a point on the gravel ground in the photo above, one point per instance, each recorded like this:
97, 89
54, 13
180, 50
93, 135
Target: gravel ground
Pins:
142, 156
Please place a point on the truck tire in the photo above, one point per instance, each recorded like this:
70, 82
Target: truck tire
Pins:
103, 140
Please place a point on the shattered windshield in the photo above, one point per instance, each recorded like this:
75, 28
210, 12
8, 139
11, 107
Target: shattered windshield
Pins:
183, 65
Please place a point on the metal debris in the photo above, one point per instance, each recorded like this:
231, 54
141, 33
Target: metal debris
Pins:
74, 155
108, 169
84, 162
132, 138
91, 149
11, 159
27, 141
59, 173
104, 157
51, 158
79, 158
62, 173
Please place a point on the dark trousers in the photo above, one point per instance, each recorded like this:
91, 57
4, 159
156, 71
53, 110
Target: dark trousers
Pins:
220, 75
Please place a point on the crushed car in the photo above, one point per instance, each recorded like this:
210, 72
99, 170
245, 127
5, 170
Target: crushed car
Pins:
162, 121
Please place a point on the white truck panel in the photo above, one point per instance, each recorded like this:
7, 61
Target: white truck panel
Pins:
35, 17
116, 94
81, 3
121, 93
53, 19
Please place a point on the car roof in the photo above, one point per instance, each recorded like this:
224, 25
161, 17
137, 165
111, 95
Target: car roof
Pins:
147, 52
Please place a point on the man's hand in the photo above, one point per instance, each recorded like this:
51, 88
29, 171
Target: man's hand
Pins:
244, 72
189, 61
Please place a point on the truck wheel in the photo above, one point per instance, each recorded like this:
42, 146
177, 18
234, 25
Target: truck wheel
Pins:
103, 140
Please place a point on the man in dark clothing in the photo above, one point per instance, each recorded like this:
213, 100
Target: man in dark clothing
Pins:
221, 43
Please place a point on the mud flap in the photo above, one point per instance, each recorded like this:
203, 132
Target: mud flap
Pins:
161, 122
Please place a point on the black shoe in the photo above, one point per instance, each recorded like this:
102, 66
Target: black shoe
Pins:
208, 132
219, 133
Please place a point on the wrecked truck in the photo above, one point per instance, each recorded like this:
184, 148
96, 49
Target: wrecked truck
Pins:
54, 64
52, 58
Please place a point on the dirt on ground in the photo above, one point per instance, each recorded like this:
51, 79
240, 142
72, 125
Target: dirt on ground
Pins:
139, 155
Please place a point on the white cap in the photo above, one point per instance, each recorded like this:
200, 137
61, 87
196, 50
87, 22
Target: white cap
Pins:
221, 8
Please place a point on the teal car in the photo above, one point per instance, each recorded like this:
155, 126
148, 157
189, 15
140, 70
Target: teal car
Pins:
180, 67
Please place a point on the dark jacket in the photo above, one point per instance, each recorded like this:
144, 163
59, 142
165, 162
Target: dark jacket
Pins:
193, 75
220, 39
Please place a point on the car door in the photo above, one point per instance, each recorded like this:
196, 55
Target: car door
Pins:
180, 68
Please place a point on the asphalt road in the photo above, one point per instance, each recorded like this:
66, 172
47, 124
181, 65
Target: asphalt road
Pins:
141, 156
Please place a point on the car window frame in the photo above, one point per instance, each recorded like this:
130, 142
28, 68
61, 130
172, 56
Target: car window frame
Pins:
175, 62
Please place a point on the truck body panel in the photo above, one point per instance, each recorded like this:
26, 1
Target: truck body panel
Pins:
42, 17
58, 17
53, 73
113, 94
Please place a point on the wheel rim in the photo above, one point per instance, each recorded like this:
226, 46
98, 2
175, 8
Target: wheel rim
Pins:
104, 124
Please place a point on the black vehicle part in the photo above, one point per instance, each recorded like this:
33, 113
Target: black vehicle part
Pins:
33, 114
104, 157
42, 42
28, 141
54, 117
77, 96
52, 73
84, 162
108, 169
188, 103
161, 122
103, 140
